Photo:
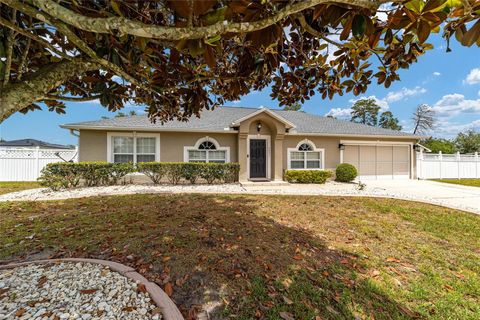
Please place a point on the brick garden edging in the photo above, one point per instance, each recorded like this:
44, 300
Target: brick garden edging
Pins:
168, 308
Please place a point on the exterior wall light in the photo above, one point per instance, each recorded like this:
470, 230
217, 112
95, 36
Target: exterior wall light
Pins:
417, 147
259, 126
341, 146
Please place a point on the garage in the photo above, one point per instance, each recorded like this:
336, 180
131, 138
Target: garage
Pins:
379, 161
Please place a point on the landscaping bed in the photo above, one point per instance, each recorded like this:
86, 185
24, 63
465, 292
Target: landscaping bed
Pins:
70, 290
269, 257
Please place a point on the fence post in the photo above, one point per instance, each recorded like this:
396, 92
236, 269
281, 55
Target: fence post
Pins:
37, 162
440, 158
420, 164
458, 164
76, 154
476, 165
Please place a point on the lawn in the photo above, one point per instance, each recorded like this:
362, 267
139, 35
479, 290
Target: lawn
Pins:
7, 186
269, 257
463, 182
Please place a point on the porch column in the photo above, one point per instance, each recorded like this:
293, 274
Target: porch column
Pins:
278, 172
242, 156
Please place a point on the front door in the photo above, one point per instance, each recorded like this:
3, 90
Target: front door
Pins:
258, 158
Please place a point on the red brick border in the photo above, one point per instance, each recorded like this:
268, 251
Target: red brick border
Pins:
161, 299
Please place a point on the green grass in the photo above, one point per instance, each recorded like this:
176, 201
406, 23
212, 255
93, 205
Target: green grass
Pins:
269, 257
7, 186
463, 182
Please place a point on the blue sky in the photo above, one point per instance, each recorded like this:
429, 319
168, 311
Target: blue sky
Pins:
449, 82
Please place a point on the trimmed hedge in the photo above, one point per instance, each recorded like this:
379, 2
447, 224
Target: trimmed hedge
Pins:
346, 172
70, 175
307, 176
190, 171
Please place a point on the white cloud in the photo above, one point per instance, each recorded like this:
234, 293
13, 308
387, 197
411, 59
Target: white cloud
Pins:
479, 92
454, 104
437, 74
404, 93
340, 113
473, 77
382, 103
451, 129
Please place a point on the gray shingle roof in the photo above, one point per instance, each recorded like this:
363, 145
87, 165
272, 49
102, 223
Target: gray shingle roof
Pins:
222, 118
33, 143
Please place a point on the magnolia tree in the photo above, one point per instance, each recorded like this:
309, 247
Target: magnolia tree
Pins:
179, 57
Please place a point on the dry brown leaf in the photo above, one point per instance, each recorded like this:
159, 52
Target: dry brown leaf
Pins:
168, 289
286, 316
20, 312
41, 281
141, 288
88, 291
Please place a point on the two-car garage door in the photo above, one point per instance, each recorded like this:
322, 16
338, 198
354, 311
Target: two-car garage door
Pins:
379, 161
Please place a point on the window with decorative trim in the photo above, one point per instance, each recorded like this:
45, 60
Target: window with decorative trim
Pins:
133, 147
207, 150
305, 156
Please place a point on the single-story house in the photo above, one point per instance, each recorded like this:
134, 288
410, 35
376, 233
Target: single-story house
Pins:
265, 142
32, 143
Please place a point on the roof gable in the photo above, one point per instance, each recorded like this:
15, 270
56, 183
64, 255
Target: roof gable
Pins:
274, 115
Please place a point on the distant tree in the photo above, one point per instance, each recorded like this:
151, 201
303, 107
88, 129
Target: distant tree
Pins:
365, 111
468, 142
423, 119
120, 115
436, 145
104, 117
388, 121
293, 107
133, 113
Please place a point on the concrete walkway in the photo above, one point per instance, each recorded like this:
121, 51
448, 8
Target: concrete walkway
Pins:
443, 194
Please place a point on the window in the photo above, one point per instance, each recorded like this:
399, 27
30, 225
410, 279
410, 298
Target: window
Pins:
305, 156
207, 150
126, 147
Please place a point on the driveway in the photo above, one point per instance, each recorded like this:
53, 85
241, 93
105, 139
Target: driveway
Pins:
444, 194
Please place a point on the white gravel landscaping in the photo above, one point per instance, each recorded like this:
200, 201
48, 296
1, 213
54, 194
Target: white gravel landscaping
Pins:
71, 290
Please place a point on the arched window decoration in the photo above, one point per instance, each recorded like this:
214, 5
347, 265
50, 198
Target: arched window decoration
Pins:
207, 150
305, 156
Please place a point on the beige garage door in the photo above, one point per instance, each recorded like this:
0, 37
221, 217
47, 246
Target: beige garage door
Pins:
379, 162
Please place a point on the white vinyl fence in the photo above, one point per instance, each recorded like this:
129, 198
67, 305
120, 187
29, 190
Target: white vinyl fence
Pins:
22, 164
447, 166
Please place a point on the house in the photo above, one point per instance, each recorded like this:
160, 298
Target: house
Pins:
265, 142
32, 143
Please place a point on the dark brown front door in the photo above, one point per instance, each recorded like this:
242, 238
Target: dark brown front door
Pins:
258, 158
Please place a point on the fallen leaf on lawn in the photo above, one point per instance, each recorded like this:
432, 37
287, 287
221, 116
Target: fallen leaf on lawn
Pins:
448, 287
297, 257
375, 273
20, 312
392, 259
165, 259
41, 281
88, 291
287, 301
286, 316
168, 289
287, 282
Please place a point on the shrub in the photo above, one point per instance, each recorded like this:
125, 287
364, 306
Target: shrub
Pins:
154, 170
307, 176
346, 172
69, 175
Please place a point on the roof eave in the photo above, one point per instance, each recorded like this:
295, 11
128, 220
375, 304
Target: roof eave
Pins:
119, 128
287, 123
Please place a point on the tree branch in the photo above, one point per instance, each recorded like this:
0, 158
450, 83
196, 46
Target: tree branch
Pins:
9, 49
63, 28
120, 25
19, 95
73, 99
27, 34
315, 33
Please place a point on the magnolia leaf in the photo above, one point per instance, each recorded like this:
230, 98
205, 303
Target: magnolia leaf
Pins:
471, 36
358, 25
116, 7
423, 30
415, 5
434, 5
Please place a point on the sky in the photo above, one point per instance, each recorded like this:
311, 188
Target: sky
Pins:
449, 82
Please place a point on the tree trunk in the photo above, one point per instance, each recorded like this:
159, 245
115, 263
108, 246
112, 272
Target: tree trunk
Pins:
16, 96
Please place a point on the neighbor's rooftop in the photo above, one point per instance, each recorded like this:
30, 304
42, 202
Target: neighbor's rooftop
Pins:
223, 119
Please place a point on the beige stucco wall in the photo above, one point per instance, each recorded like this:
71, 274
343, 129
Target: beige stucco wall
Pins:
93, 144
172, 143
